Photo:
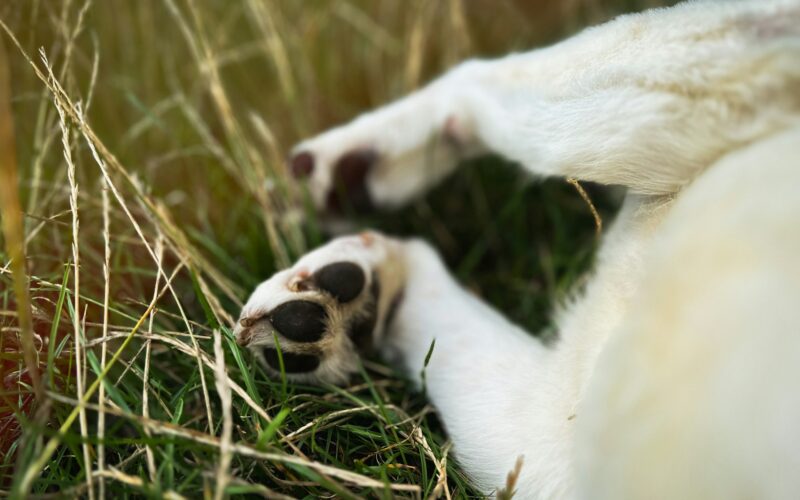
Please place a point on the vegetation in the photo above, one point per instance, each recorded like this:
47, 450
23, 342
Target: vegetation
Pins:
149, 149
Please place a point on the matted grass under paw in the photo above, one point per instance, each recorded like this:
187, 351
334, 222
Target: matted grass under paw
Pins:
150, 139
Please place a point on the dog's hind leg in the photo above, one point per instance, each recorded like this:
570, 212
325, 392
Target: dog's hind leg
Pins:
695, 395
646, 101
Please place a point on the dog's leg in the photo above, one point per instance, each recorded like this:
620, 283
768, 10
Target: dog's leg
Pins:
370, 288
480, 377
646, 101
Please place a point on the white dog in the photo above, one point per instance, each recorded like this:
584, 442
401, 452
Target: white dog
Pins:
677, 370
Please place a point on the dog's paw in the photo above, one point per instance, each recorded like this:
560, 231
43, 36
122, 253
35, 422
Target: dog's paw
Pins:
385, 158
314, 318
341, 184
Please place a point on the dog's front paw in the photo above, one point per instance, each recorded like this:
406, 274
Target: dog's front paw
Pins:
338, 184
386, 158
312, 319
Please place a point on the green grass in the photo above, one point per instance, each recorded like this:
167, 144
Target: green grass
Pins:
191, 108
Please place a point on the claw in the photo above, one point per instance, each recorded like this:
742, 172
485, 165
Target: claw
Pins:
242, 332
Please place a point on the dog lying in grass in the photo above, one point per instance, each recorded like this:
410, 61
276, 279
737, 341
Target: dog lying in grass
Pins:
675, 371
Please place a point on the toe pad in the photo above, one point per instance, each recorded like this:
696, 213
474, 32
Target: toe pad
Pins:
344, 280
292, 362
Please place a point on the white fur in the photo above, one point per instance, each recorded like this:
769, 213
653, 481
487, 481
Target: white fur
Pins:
676, 367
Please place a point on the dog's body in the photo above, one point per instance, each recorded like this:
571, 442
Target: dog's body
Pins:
675, 370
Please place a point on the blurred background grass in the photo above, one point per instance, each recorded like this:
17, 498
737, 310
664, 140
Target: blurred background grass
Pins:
192, 107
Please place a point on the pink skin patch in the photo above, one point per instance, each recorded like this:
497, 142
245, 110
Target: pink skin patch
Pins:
456, 132
367, 238
300, 282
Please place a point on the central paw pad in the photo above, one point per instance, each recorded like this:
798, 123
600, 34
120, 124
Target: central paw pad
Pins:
312, 320
299, 320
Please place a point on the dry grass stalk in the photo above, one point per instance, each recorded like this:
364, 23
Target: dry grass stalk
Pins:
69, 35
461, 45
509, 491
224, 391
441, 465
101, 416
598, 221
415, 45
117, 475
80, 360
151, 460
264, 15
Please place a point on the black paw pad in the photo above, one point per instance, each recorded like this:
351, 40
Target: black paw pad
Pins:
360, 331
343, 280
299, 320
292, 362
302, 165
349, 187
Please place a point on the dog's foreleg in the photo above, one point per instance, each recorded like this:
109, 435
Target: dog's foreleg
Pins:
488, 379
647, 101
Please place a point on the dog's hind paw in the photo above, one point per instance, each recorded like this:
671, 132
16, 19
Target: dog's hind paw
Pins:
312, 319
